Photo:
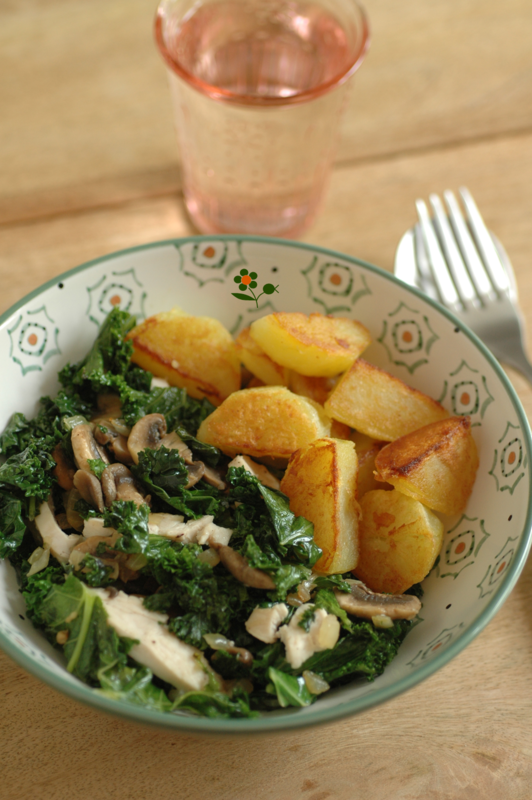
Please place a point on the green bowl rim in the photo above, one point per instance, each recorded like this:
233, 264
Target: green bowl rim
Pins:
289, 719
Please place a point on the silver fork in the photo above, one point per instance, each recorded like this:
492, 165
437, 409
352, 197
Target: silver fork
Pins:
459, 263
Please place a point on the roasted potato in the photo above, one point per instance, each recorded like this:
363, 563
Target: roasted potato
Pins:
314, 345
317, 389
269, 421
367, 449
399, 541
436, 464
196, 353
378, 404
320, 482
261, 365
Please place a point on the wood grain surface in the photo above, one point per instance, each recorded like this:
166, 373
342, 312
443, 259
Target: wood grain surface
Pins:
89, 166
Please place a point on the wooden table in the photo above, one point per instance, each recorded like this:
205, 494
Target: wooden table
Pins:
89, 166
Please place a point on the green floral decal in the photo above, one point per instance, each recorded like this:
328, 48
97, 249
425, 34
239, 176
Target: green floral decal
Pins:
407, 337
469, 396
247, 281
434, 646
496, 571
122, 289
334, 286
462, 546
33, 340
509, 460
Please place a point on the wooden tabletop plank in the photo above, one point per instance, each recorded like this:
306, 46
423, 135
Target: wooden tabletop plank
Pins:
86, 117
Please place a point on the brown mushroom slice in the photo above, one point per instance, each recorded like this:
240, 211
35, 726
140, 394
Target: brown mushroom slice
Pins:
119, 484
147, 432
362, 602
85, 447
106, 434
213, 478
174, 442
195, 473
74, 519
89, 488
238, 566
64, 468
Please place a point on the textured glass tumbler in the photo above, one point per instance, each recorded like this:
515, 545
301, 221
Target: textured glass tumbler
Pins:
258, 88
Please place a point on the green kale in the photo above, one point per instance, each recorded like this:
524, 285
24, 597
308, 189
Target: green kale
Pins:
202, 599
133, 685
173, 403
12, 525
366, 651
280, 531
97, 466
326, 599
29, 472
203, 452
216, 704
131, 520
163, 472
290, 690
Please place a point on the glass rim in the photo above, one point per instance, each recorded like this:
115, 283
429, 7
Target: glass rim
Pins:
226, 95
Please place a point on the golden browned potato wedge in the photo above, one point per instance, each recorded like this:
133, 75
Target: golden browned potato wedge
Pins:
196, 353
399, 541
367, 449
378, 404
317, 389
436, 464
261, 365
315, 345
320, 482
269, 421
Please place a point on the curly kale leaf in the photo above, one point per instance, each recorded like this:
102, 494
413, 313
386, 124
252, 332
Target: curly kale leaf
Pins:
291, 537
203, 452
366, 651
163, 472
12, 526
131, 521
201, 599
29, 472
173, 403
216, 704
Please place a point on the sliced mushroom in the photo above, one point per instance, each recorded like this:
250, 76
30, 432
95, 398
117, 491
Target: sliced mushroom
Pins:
362, 602
74, 519
119, 484
147, 432
85, 447
240, 569
259, 471
213, 477
106, 434
64, 468
89, 488
174, 442
195, 471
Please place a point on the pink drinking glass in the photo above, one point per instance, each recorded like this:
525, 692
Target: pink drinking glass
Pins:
258, 89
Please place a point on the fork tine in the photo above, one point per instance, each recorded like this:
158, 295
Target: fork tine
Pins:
458, 269
424, 279
479, 276
485, 244
440, 272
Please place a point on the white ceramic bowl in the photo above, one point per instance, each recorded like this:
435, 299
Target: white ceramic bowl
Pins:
484, 549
